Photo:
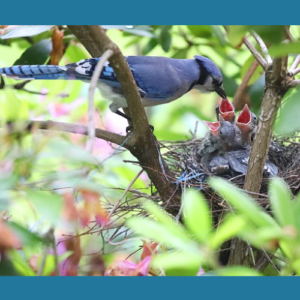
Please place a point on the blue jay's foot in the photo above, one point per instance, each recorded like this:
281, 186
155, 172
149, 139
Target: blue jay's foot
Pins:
129, 128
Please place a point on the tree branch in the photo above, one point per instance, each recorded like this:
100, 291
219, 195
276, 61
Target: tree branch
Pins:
263, 47
83, 130
276, 87
255, 53
294, 65
294, 83
238, 102
143, 144
295, 71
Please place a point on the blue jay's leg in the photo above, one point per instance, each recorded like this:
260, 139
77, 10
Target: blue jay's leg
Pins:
129, 128
219, 165
123, 115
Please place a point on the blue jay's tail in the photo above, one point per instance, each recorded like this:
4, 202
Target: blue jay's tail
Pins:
82, 70
35, 72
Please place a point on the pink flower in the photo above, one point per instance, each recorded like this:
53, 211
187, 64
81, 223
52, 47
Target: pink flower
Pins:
128, 268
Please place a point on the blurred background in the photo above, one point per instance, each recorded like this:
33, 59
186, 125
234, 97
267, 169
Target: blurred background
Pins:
42, 183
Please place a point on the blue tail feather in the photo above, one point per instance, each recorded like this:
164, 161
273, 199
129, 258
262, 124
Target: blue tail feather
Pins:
35, 72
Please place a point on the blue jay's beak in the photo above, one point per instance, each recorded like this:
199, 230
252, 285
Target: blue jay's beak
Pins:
227, 110
213, 127
221, 92
244, 120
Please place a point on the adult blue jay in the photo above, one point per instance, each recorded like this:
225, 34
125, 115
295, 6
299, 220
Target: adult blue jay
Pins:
159, 79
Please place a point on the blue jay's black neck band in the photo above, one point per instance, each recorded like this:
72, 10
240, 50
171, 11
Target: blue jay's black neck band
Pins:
203, 74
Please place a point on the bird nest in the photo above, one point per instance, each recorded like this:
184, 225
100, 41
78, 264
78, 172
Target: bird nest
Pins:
181, 158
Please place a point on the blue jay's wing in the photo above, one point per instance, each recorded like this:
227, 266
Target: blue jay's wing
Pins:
162, 78
238, 160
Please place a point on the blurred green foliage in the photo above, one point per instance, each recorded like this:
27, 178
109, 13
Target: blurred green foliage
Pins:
41, 171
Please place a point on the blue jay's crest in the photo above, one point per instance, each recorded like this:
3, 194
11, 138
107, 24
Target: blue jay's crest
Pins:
210, 67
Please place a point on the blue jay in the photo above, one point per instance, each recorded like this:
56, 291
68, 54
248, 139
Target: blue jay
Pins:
236, 162
247, 123
230, 136
159, 79
226, 110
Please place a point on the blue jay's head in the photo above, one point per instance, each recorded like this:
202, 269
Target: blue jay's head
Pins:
213, 127
226, 131
211, 79
247, 120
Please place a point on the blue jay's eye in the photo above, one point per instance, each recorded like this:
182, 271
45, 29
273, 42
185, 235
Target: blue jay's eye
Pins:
221, 132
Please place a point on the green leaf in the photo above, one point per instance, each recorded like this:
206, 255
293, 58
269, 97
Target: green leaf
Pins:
162, 234
262, 236
285, 49
37, 54
296, 209
232, 226
244, 203
230, 85
236, 34
70, 151
24, 30
24, 235
280, 198
197, 215
177, 263
152, 43
203, 31
257, 73
289, 121
20, 263
7, 267
272, 34
219, 34
12, 108
165, 38
236, 271
181, 53
163, 218
48, 204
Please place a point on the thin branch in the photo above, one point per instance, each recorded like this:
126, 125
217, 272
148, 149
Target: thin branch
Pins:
294, 72
122, 196
294, 83
95, 78
237, 99
294, 65
263, 47
288, 34
43, 262
83, 130
255, 53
